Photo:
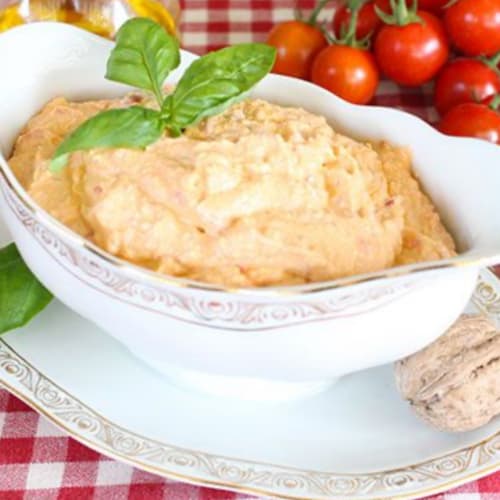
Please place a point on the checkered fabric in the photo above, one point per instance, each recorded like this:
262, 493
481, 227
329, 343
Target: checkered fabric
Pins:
38, 461
212, 24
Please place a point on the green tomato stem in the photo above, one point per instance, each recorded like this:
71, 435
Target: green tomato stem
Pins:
492, 62
401, 14
495, 103
353, 5
348, 36
297, 13
313, 19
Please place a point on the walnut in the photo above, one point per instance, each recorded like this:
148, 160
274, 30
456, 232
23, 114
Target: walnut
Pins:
454, 384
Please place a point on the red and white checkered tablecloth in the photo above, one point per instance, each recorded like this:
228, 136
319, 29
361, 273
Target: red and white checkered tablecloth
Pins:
38, 461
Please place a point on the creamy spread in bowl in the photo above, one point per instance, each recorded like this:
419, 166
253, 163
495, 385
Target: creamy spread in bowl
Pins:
281, 341
259, 195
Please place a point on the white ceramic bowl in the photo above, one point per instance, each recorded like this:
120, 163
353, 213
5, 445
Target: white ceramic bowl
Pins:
266, 343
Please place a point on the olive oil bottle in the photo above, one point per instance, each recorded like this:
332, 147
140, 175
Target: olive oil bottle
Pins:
102, 17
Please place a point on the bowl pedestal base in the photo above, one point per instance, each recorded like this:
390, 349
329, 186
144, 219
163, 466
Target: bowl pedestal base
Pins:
245, 388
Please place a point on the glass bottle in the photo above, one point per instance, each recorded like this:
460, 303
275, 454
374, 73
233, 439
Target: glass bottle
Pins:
102, 17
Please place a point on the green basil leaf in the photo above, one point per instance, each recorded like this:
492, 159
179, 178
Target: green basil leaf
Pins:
215, 81
143, 56
133, 127
22, 296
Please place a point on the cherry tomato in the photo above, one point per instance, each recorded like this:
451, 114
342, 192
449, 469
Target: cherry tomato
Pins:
464, 80
412, 54
368, 20
348, 72
297, 44
435, 6
474, 26
472, 119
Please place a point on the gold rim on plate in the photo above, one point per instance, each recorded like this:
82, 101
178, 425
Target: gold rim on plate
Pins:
94, 430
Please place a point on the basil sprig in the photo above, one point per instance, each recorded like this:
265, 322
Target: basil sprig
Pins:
22, 296
215, 81
128, 127
143, 56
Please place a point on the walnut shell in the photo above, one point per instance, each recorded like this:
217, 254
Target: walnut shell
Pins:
454, 383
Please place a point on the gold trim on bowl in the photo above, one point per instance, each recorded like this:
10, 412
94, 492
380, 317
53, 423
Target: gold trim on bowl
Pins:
233, 314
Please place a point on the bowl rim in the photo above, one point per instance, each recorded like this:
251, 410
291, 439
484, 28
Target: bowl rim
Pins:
143, 274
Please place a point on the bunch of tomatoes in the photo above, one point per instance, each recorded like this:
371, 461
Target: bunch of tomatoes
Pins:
410, 43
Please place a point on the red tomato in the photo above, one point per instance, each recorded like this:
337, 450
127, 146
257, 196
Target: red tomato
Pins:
474, 26
412, 54
368, 20
436, 6
472, 119
464, 80
297, 44
348, 72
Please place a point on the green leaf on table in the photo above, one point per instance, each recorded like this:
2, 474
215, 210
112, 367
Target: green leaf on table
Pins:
143, 56
22, 296
133, 127
215, 81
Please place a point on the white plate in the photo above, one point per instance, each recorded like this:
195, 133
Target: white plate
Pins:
357, 441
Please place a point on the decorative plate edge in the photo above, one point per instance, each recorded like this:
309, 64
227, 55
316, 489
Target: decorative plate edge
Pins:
89, 427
